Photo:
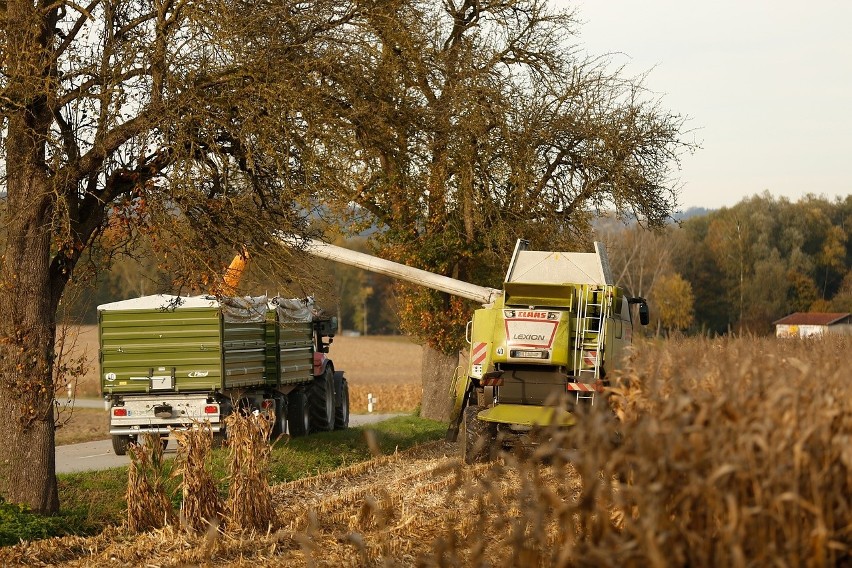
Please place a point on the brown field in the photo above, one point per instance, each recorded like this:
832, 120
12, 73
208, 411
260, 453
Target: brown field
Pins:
730, 452
388, 367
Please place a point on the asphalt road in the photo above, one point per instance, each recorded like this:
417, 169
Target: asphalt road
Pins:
90, 456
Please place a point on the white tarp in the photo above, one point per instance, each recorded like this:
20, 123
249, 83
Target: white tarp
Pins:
294, 309
246, 309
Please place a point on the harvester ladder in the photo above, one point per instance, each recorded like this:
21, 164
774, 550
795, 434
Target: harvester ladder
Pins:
593, 308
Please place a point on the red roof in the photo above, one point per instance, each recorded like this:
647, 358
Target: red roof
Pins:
815, 318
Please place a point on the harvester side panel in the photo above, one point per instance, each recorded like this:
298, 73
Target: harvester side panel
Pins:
482, 340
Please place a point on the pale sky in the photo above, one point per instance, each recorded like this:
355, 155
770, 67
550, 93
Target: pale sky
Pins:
767, 87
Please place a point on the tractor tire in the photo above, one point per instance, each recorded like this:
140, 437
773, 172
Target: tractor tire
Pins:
477, 437
298, 413
341, 406
321, 401
279, 427
120, 444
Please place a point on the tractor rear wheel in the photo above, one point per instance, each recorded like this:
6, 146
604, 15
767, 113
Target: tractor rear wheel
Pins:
477, 436
341, 407
298, 413
321, 401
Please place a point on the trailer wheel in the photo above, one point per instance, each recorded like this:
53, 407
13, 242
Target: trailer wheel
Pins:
321, 401
341, 409
298, 413
279, 427
120, 444
477, 436
220, 438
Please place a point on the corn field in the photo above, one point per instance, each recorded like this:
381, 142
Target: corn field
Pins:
732, 452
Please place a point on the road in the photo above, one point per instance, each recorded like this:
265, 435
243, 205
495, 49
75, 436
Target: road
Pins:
90, 456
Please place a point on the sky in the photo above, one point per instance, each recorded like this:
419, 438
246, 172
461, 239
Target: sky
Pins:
766, 88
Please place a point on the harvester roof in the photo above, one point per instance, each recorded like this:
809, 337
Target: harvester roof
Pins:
547, 267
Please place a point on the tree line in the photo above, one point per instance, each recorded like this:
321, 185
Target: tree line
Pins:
740, 268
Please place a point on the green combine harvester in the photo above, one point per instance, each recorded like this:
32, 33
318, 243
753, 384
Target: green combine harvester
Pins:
539, 348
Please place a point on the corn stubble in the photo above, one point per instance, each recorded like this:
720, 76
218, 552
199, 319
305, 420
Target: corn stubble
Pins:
148, 504
725, 453
201, 508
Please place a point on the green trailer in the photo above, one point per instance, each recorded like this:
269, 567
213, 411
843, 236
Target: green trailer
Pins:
170, 362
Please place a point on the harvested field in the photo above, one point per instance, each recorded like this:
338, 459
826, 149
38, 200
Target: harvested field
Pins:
729, 453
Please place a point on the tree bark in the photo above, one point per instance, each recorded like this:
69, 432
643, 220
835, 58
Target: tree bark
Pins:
437, 376
29, 288
27, 330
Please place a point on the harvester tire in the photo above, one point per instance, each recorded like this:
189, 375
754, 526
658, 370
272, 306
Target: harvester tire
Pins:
341, 406
298, 414
120, 444
321, 401
477, 437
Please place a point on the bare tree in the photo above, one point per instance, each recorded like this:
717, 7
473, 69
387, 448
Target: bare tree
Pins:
148, 118
477, 124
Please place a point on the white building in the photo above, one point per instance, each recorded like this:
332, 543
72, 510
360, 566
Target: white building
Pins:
806, 324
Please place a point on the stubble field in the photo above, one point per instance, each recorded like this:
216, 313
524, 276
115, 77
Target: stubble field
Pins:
732, 452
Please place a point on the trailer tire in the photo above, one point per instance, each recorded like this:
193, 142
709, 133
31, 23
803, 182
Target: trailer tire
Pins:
477, 437
120, 445
279, 427
341, 407
298, 414
321, 401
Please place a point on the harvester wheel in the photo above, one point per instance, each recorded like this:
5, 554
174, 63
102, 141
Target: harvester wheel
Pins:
321, 401
341, 407
477, 436
298, 414
120, 445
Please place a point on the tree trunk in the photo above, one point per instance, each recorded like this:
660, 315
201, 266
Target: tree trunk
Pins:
27, 331
28, 302
437, 376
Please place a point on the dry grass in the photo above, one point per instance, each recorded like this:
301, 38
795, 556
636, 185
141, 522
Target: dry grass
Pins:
81, 425
729, 453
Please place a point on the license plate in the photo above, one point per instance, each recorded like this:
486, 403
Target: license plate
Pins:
531, 354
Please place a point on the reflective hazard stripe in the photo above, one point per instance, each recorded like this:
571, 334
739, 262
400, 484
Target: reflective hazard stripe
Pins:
597, 386
478, 353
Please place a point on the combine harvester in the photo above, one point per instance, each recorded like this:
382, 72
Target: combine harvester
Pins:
550, 335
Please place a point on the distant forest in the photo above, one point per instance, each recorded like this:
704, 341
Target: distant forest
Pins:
711, 272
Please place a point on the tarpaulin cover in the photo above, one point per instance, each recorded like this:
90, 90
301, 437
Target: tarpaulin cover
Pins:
295, 309
246, 309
